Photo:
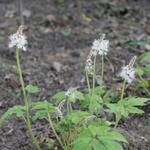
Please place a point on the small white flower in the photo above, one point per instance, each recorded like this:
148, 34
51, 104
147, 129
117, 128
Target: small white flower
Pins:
70, 92
18, 40
89, 65
127, 74
100, 46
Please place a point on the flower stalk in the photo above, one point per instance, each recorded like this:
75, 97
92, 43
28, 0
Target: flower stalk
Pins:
28, 123
94, 72
102, 69
54, 131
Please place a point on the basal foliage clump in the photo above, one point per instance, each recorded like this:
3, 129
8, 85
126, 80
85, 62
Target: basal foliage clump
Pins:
82, 128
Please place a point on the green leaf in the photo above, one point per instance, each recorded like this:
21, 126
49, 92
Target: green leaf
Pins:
98, 145
79, 95
147, 70
139, 70
17, 110
98, 138
112, 145
43, 105
110, 96
41, 114
143, 84
99, 90
76, 95
127, 106
135, 110
145, 57
133, 101
95, 104
114, 135
32, 89
114, 108
76, 117
59, 96
83, 144
134, 44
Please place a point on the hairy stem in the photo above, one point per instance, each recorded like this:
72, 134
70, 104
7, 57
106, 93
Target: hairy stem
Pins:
28, 123
123, 89
118, 117
94, 72
54, 131
102, 69
87, 79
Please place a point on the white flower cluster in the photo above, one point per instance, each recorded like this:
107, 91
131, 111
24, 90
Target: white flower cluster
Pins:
70, 92
18, 40
128, 73
100, 46
89, 65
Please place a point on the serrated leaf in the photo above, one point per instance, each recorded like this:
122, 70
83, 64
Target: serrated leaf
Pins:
133, 44
109, 96
59, 96
95, 106
98, 145
135, 110
145, 57
77, 116
112, 145
147, 70
139, 70
17, 110
133, 101
41, 114
99, 90
43, 105
32, 89
79, 95
98, 138
83, 144
117, 136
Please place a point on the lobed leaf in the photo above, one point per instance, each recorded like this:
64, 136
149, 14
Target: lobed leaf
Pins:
32, 89
18, 110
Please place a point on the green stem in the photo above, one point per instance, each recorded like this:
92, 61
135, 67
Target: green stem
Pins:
102, 69
28, 123
54, 131
94, 72
87, 79
118, 117
123, 89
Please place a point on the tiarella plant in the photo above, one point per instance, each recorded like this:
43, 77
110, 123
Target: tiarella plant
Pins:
79, 127
19, 41
142, 68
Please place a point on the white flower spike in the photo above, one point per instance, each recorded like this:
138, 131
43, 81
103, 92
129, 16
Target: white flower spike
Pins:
100, 46
128, 73
18, 39
89, 65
